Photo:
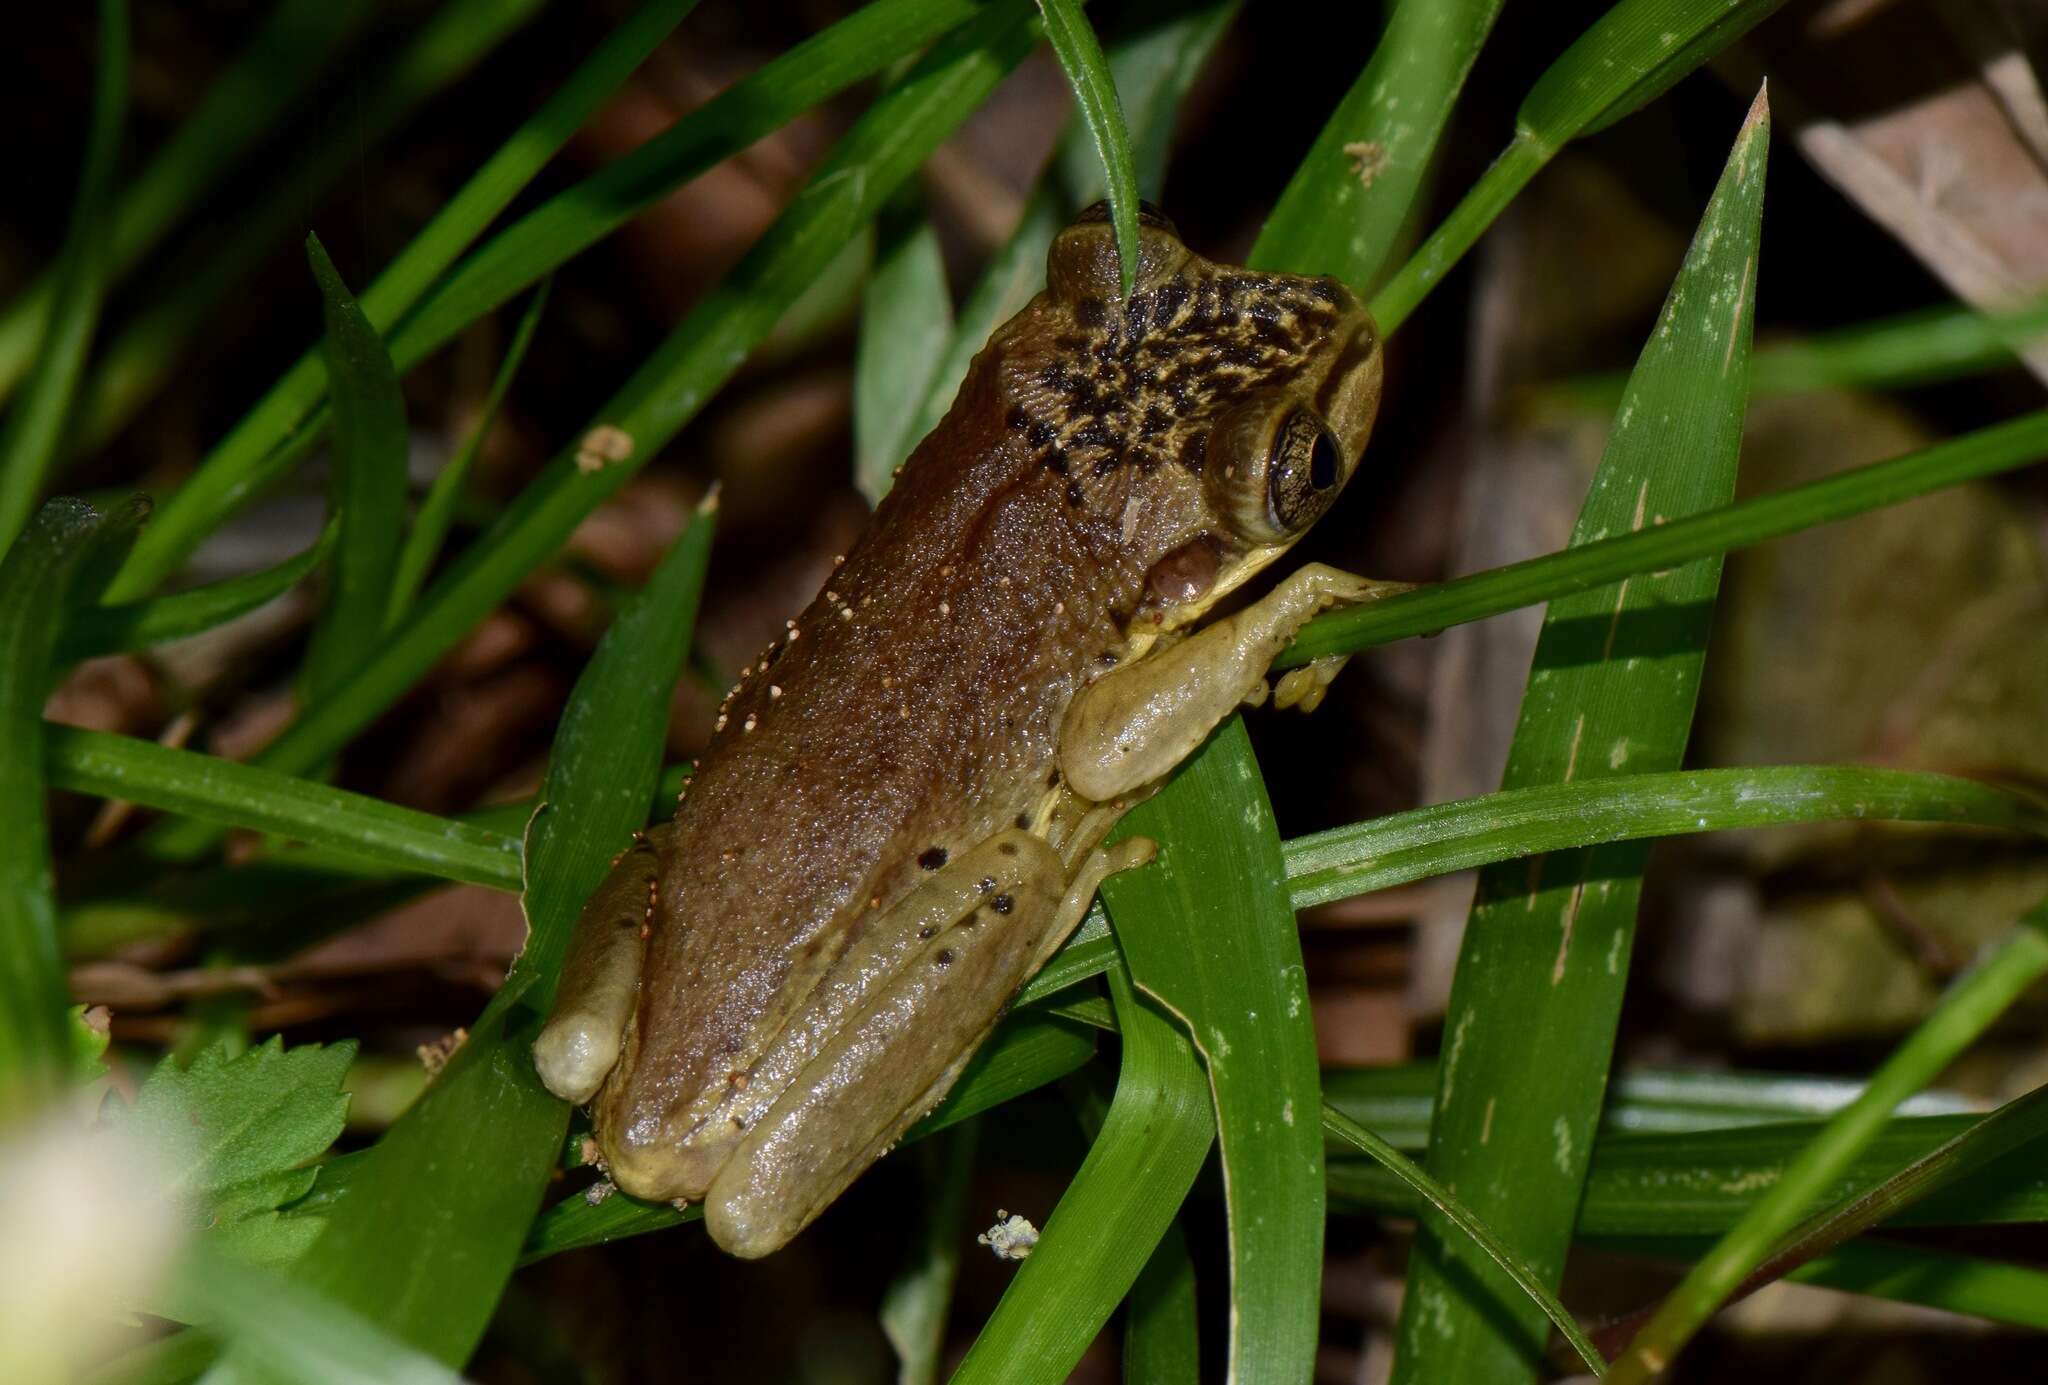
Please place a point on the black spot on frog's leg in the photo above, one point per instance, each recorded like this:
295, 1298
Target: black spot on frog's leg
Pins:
1007, 849
945, 957
928, 932
1002, 904
987, 883
932, 857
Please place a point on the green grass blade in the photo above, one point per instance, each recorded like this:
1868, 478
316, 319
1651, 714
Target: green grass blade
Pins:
1154, 65
1024, 1055
283, 1331
237, 795
1095, 95
36, 429
1396, 1102
1970, 1006
2015, 1294
1542, 818
1404, 847
2002, 447
1162, 1342
1113, 1213
1538, 988
288, 57
437, 511
37, 576
1630, 55
436, 1212
233, 470
906, 320
136, 363
1345, 206
368, 489
1208, 932
1455, 1212
883, 149
96, 630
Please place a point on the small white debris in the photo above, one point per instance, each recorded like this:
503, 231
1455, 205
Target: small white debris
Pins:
601, 445
599, 1191
1011, 1238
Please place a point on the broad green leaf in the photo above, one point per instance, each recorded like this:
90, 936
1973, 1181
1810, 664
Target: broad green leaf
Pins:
437, 511
434, 1215
1986, 452
1095, 94
238, 795
1971, 1005
1023, 1055
38, 574
289, 56
90, 631
35, 433
883, 149
284, 425
906, 319
236, 1136
1540, 978
1208, 932
1113, 1213
368, 491
1630, 55
1348, 200
138, 361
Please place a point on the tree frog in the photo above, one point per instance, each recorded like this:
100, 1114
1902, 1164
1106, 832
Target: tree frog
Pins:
902, 813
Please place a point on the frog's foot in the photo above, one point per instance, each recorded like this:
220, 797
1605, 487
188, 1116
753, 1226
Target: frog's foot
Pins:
1303, 688
893, 1034
1135, 723
601, 977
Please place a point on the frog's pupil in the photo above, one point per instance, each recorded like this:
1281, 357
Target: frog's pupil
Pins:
1322, 462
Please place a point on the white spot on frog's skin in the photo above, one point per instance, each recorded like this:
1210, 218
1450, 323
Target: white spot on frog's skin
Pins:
1562, 1129
602, 446
945, 608
1134, 511
773, 692
1011, 1238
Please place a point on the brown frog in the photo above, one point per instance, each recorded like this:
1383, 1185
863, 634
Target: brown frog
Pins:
901, 815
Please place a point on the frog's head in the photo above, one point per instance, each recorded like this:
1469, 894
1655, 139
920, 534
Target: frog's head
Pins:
1212, 416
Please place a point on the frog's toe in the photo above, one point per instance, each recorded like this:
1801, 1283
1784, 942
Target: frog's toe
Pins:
573, 1056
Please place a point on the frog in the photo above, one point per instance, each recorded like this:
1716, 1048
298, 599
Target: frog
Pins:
904, 809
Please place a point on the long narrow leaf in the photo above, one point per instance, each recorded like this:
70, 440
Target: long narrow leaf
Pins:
96, 630
36, 428
66, 538
906, 319
1094, 88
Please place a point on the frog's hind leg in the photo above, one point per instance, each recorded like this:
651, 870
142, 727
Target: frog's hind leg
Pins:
983, 924
1131, 726
601, 978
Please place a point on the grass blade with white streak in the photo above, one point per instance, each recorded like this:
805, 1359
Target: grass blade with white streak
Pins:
1538, 988
36, 429
1095, 94
1208, 932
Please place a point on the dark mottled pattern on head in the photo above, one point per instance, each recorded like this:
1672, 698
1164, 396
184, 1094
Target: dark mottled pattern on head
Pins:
1137, 384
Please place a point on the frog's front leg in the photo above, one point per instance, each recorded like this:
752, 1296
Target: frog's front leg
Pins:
982, 925
601, 977
1135, 723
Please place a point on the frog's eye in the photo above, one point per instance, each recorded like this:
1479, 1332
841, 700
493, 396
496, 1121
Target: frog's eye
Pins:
1272, 472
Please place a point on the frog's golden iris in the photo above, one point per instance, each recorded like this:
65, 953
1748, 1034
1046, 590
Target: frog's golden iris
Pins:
900, 818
